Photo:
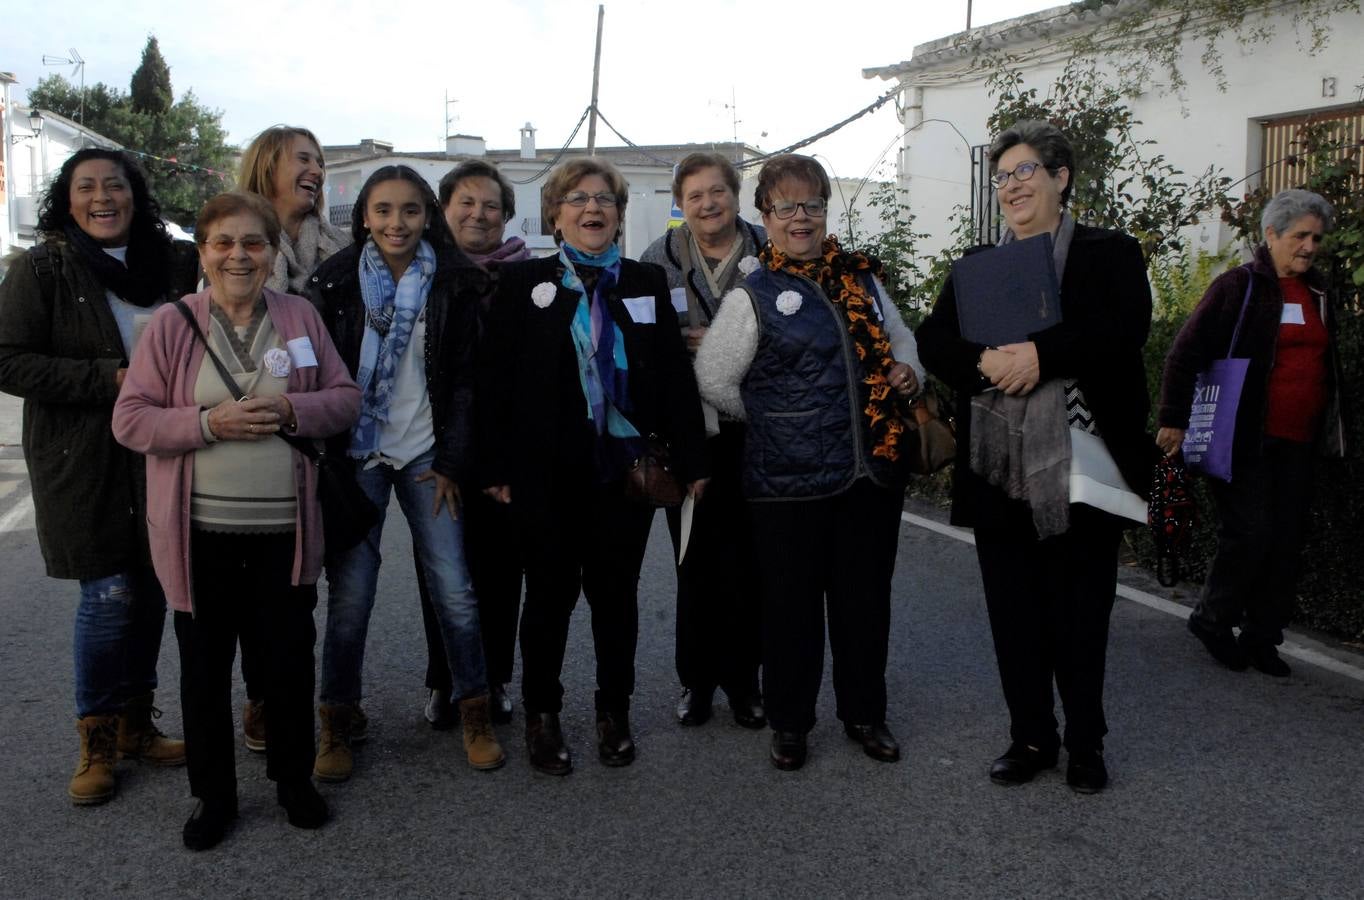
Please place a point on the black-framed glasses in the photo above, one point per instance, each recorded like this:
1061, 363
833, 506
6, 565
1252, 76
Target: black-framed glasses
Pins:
785, 209
605, 199
1021, 172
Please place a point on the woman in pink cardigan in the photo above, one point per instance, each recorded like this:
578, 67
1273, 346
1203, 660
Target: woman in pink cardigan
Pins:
232, 510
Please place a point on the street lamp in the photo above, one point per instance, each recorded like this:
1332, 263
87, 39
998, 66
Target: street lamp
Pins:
35, 126
73, 60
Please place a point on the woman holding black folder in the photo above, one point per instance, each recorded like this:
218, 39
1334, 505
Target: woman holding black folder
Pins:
1049, 561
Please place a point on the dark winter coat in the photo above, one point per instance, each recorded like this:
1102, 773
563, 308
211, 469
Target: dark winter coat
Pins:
1106, 316
62, 355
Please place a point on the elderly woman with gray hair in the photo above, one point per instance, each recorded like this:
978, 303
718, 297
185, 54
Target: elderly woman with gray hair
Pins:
1048, 552
1289, 410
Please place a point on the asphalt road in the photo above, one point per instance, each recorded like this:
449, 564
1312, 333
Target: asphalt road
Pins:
1224, 784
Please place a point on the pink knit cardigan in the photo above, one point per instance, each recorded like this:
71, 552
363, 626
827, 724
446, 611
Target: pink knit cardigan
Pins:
156, 415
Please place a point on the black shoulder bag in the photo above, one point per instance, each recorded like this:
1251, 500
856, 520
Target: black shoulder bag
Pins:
347, 514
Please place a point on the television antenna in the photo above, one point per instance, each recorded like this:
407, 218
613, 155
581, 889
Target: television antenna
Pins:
78, 68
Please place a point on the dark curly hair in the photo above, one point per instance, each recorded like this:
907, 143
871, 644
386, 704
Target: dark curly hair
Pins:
54, 213
436, 232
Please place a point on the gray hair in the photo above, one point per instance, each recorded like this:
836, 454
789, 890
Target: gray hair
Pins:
1052, 146
1291, 205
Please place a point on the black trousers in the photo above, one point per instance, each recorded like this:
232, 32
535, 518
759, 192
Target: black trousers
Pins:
719, 597
837, 552
1049, 603
241, 587
495, 567
591, 539
1263, 515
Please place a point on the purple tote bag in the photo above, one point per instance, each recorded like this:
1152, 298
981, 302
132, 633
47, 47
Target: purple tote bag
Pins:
1212, 417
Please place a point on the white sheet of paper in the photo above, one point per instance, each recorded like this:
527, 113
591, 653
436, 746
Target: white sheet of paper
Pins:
1292, 314
641, 309
688, 509
679, 298
301, 352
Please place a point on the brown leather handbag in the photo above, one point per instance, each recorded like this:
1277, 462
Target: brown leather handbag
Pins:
651, 480
934, 441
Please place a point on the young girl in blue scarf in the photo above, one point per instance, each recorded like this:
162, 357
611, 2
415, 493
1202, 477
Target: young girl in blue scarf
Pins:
401, 305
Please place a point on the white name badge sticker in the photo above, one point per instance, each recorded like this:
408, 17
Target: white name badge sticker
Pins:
301, 352
1292, 314
641, 309
679, 296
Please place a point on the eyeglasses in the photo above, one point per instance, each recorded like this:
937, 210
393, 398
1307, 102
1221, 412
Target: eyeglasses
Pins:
605, 199
251, 243
785, 209
1021, 172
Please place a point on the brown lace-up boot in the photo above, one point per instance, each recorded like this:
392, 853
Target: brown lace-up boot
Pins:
334, 758
139, 738
480, 744
93, 781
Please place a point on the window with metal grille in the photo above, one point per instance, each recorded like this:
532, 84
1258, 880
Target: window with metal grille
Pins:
985, 216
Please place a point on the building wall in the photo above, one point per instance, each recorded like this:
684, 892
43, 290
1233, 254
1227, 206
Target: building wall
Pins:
1205, 127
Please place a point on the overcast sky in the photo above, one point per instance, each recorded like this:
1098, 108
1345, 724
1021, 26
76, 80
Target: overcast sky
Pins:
669, 70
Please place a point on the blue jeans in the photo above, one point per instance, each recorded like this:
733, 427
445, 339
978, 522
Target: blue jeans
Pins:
117, 640
353, 577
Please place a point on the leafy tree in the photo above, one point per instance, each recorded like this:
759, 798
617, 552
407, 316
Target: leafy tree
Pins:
151, 88
183, 147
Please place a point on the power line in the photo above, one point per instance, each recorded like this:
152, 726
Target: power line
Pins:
562, 150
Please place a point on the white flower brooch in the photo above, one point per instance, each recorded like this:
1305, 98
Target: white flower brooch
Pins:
788, 302
277, 362
749, 264
542, 295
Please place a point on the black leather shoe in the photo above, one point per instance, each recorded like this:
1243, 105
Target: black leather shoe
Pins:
615, 746
694, 707
208, 824
1086, 772
1264, 658
1220, 643
499, 704
876, 740
439, 712
302, 803
1020, 763
545, 744
748, 709
788, 750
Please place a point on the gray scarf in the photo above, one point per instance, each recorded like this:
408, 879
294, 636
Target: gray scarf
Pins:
296, 260
1021, 444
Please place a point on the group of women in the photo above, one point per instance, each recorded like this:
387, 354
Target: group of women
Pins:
509, 402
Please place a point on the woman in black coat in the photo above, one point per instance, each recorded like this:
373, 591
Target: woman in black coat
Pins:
71, 310
581, 364
1048, 554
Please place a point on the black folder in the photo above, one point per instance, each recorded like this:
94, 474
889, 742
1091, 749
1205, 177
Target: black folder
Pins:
1007, 292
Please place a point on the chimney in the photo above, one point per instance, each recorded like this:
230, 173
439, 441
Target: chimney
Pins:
528, 142
465, 145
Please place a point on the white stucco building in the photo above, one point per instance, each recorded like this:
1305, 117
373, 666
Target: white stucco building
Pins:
1272, 87
35, 144
648, 169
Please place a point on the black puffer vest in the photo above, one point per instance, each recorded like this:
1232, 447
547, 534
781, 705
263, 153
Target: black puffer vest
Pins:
807, 434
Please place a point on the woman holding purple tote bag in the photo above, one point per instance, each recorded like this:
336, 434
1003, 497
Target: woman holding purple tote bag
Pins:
1274, 315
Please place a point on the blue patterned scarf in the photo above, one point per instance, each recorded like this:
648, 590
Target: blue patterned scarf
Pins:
391, 311
603, 368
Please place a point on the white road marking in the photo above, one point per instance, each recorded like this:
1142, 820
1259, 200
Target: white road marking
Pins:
10, 521
1291, 648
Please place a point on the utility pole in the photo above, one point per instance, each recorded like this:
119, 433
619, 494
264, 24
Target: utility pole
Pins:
596, 76
968, 15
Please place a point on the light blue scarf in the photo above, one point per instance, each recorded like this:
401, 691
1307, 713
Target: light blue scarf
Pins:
603, 368
391, 312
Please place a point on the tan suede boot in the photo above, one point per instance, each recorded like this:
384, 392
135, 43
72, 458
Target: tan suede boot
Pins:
334, 759
93, 781
359, 725
480, 744
253, 725
139, 738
